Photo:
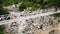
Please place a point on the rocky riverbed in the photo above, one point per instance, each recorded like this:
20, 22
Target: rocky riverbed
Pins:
35, 22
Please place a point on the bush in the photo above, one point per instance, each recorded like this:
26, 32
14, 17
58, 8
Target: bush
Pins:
25, 5
33, 8
57, 15
10, 2
2, 29
3, 11
2, 33
22, 7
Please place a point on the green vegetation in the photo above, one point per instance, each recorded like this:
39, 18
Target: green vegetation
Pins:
26, 5
9, 2
42, 4
57, 15
34, 4
33, 8
3, 11
39, 3
22, 7
2, 29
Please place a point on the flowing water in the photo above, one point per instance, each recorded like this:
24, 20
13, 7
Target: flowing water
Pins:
25, 22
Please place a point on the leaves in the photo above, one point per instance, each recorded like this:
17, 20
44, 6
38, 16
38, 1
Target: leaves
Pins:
2, 28
3, 11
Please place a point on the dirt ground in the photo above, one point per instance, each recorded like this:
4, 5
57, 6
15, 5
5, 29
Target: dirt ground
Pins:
39, 31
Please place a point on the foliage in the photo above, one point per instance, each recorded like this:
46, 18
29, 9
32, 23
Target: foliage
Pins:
2, 33
25, 5
33, 8
57, 15
22, 7
2, 28
3, 11
43, 4
9, 2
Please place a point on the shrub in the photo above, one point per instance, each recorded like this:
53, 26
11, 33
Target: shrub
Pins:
2, 29
3, 11
33, 8
22, 7
2, 33
25, 5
